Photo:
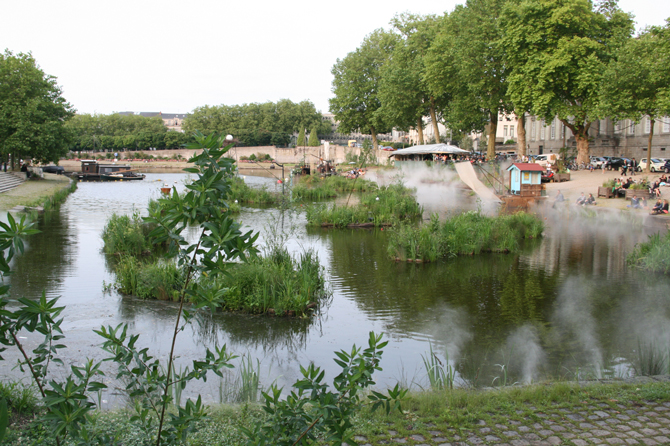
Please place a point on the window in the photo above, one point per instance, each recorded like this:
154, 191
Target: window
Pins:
532, 131
666, 124
542, 130
511, 131
647, 125
505, 131
631, 128
553, 129
617, 127
526, 176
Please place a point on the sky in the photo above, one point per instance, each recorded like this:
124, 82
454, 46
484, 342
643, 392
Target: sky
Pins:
173, 56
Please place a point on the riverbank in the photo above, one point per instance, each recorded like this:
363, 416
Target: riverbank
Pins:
633, 411
34, 192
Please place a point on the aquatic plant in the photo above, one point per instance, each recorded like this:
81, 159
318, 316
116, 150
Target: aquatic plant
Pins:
467, 233
440, 376
159, 279
243, 193
127, 235
652, 359
388, 205
276, 283
652, 255
314, 187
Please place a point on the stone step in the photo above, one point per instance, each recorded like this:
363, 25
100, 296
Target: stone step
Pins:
9, 180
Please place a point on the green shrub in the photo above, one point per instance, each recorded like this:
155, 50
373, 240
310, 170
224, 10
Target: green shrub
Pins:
160, 279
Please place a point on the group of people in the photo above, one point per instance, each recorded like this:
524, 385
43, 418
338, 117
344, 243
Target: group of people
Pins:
583, 200
661, 207
355, 173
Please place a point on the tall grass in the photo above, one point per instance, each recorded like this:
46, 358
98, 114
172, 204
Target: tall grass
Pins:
277, 283
386, 206
127, 235
440, 376
59, 197
160, 279
243, 193
652, 359
316, 188
653, 255
468, 233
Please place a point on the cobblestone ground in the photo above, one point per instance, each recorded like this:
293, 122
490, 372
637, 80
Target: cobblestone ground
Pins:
646, 423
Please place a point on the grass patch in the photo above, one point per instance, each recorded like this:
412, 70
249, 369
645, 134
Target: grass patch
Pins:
243, 193
312, 187
383, 207
468, 233
652, 255
157, 279
126, 235
277, 283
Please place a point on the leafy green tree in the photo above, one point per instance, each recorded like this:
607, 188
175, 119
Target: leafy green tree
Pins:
403, 90
468, 62
32, 110
356, 104
558, 51
301, 138
313, 138
634, 80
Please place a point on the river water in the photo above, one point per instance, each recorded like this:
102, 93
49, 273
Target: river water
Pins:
565, 307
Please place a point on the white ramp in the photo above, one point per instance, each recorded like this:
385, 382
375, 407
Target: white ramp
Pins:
469, 177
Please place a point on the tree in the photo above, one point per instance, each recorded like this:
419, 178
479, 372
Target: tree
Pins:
403, 90
301, 138
355, 83
32, 110
467, 61
558, 50
634, 80
313, 138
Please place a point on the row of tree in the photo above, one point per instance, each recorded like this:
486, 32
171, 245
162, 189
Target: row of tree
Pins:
263, 124
571, 59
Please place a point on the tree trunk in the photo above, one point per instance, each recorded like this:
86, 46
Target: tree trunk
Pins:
419, 129
521, 135
375, 143
433, 117
493, 128
647, 169
582, 148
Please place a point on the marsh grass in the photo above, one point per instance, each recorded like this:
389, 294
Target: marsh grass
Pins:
312, 188
277, 283
652, 359
386, 206
153, 279
59, 197
127, 235
440, 375
243, 193
652, 255
468, 233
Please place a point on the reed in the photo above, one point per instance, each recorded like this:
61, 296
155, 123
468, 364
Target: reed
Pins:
127, 235
160, 279
243, 193
652, 255
468, 233
59, 197
652, 360
440, 376
383, 207
317, 188
277, 283
250, 388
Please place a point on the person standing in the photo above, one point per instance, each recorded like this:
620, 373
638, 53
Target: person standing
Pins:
633, 166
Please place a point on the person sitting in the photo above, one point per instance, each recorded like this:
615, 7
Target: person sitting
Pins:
616, 188
655, 189
635, 203
582, 199
657, 208
590, 200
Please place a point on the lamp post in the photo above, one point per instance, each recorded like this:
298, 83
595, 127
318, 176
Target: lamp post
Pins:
283, 178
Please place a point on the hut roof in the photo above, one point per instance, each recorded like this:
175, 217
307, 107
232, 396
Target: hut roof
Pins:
525, 167
430, 148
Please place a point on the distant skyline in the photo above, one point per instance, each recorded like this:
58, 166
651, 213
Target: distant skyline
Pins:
171, 56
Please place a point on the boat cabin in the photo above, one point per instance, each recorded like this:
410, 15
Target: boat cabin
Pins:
525, 179
92, 167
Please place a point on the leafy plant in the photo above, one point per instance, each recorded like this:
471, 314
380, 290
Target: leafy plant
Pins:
312, 411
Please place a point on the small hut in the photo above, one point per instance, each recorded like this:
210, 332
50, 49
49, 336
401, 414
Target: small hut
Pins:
525, 179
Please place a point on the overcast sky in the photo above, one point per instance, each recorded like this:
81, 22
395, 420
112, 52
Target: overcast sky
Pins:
173, 56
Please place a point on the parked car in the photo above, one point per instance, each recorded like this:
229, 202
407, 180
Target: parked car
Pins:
666, 166
612, 162
548, 159
656, 165
597, 162
58, 170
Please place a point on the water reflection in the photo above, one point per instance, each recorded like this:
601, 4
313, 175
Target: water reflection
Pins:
566, 305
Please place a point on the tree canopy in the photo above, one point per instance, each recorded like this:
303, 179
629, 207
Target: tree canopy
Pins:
635, 79
257, 124
32, 110
356, 82
558, 51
